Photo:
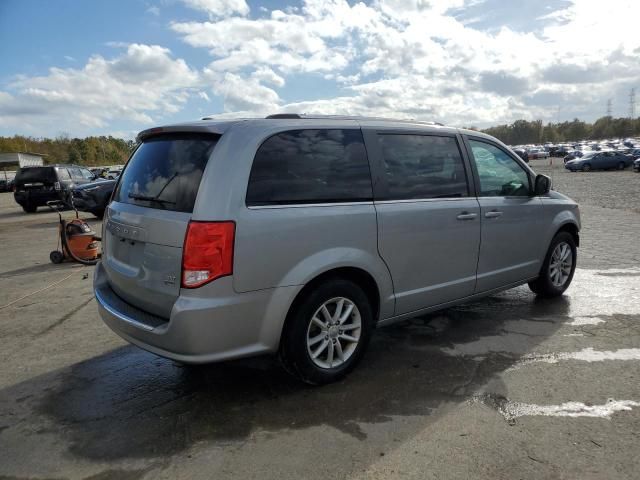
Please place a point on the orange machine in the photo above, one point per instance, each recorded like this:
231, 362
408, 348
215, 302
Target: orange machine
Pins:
76, 240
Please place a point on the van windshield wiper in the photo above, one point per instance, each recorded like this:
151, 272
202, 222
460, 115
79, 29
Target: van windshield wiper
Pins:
155, 198
149, 198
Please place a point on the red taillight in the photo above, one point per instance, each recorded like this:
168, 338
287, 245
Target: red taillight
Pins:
207, 253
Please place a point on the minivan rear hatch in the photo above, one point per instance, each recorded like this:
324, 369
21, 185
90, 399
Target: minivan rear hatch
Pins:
147, 220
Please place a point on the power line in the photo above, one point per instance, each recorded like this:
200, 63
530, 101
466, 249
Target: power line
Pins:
609, 107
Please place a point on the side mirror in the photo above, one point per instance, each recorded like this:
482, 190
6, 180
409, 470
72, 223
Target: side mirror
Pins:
542, 185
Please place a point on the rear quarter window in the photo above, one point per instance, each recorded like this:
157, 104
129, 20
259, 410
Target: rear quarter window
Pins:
310, 166
165, 172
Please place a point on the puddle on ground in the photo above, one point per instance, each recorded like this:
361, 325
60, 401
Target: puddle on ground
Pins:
513, 410
586, 321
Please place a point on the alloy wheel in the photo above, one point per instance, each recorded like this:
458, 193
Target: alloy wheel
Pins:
560, 264
334, 332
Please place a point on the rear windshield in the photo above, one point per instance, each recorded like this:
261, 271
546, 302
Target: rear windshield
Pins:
165, 172
36, 175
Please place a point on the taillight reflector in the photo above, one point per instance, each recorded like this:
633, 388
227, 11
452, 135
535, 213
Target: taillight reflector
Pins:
207, 253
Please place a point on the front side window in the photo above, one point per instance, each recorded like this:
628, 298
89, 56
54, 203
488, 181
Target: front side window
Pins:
310, 166
75, 173
422, 166
86, 174
500, 175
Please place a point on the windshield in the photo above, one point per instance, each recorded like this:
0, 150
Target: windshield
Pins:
165, 172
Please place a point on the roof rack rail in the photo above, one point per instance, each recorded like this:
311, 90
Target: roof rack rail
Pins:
346, 117
284, 115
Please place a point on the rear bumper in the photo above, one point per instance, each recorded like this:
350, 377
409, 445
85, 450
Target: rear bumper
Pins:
209, 324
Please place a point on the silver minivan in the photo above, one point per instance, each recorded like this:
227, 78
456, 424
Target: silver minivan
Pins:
298, 235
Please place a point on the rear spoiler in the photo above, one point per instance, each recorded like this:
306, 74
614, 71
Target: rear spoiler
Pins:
215, 129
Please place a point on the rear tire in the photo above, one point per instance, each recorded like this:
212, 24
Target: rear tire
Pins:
327, 332
621, 166
556, 273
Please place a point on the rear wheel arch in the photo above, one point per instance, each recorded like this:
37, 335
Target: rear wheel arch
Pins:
360, 277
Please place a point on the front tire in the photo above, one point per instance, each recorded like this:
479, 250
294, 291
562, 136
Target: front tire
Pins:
327, 332
586, 167
558, 267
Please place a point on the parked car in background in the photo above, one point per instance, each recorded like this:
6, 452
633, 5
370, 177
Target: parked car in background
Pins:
93, 197
35, 186
100, 172
636, 165
573, 155
231, 239
635, 153
113, 174
535, 153
599, 161
522, 153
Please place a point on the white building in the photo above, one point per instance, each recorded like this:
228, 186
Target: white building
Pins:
9, 162
21, 159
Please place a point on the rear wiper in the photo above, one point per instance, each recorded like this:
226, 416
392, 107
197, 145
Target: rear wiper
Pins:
149, 198
155, 198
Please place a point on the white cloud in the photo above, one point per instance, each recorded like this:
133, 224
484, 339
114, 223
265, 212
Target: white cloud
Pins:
143, 81
266, 75
219, 8
412, 58
242, 95
416, 59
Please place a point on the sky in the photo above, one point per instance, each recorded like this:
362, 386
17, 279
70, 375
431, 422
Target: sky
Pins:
115, 67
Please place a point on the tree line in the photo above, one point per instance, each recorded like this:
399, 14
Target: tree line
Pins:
88, 151
524, 132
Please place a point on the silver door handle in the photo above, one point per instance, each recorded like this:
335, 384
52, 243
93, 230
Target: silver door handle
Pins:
466, 216
493, 214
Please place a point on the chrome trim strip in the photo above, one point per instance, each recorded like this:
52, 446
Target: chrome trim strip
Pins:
119, 315
302, 205
420, 200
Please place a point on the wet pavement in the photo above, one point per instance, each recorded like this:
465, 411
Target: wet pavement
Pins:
507, 387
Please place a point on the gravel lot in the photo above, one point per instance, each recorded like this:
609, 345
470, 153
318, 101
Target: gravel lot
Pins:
505, 388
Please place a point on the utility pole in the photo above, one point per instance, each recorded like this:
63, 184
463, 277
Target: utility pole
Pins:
632, 104
609, 107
